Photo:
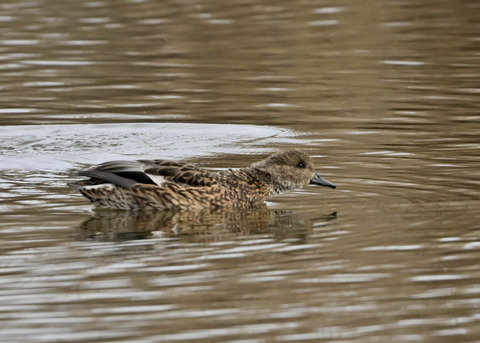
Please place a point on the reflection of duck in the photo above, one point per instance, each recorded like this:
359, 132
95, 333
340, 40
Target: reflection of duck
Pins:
206, 224
173, 185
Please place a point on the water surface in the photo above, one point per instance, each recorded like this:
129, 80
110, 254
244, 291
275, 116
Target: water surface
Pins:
382, 94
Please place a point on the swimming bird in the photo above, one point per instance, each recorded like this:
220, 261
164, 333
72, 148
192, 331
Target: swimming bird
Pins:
164, 184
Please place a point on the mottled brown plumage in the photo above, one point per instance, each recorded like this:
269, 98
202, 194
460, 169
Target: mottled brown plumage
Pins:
174, 185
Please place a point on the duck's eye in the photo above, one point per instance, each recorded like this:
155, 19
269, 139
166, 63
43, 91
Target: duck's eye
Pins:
300, 165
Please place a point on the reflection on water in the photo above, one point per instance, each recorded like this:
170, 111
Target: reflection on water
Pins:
174, 223
382, 94
206, 224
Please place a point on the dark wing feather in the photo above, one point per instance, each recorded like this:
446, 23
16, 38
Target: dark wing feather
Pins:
121, 166
109, 177
132, 170
153, 172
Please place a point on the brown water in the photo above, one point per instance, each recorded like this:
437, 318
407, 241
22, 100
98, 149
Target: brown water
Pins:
383, 94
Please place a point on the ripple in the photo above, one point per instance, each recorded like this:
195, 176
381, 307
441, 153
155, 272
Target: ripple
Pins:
394, 248
404, 63
53, 146
435, 278
58, 63
329, 10
345, 278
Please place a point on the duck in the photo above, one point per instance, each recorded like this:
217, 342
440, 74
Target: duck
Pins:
172, 185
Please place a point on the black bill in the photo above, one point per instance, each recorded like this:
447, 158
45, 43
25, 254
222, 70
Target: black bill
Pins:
318, 180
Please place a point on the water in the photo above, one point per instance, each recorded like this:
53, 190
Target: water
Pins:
383, 95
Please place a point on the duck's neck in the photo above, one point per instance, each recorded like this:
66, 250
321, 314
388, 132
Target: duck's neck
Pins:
248, 184
274, 184
261, 176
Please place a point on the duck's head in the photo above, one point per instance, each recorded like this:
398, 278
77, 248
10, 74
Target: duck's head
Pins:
290, 170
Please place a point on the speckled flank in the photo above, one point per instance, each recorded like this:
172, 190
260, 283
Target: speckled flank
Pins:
133, 184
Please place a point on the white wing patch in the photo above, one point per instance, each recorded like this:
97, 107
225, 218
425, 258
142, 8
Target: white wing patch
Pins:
158, 179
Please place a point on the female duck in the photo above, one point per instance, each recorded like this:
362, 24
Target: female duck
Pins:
163, 184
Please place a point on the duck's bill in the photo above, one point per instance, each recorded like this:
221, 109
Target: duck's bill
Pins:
318, 180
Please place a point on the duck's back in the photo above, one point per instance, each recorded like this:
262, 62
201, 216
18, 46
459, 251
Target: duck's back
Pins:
164, 184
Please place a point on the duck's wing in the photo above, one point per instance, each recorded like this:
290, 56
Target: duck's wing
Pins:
180, 173
154, 172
